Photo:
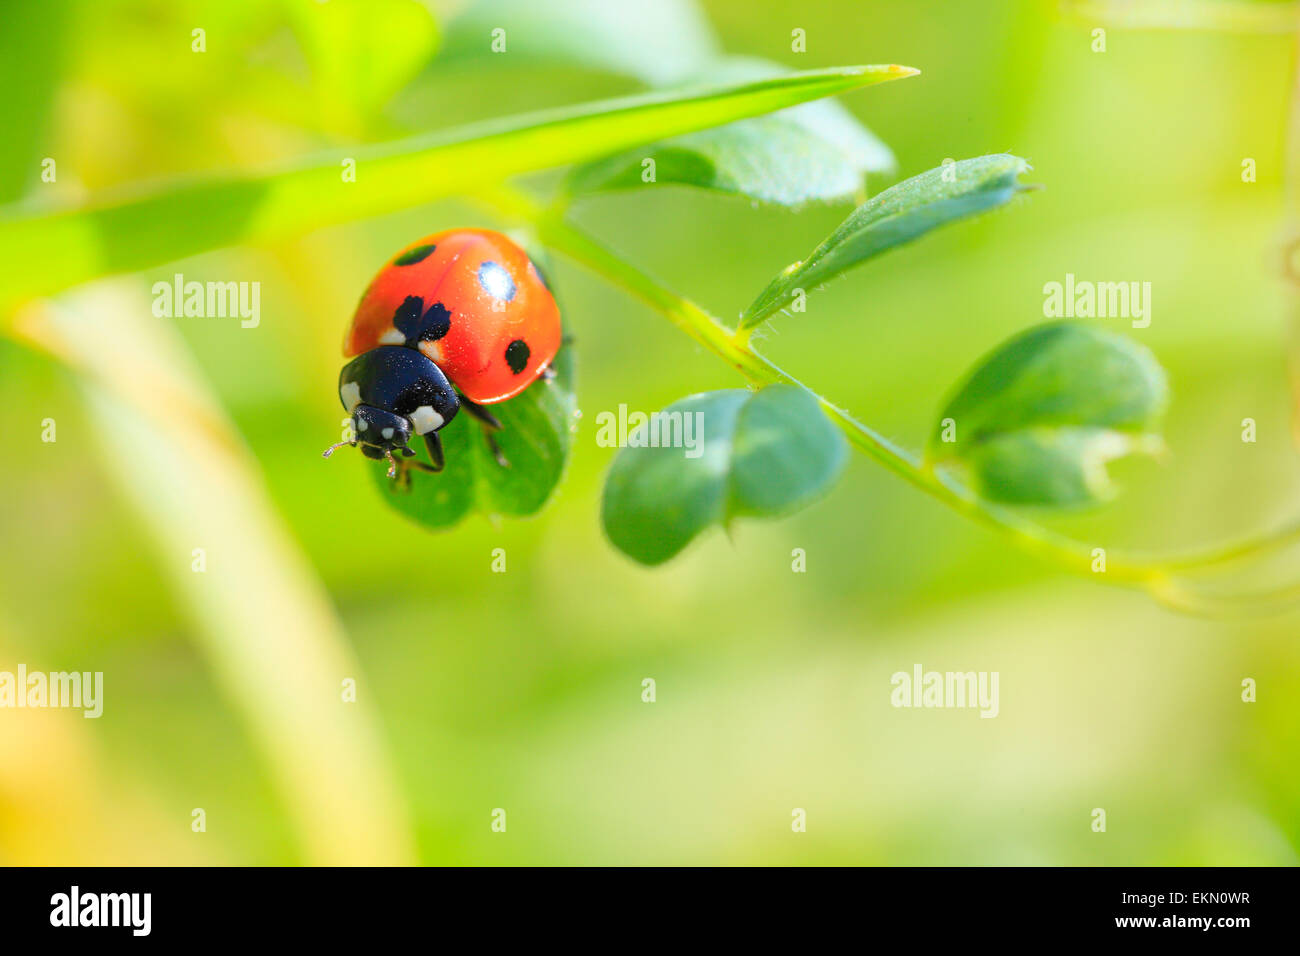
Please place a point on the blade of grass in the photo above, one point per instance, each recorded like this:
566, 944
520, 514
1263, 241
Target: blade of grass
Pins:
264, 622
47, 251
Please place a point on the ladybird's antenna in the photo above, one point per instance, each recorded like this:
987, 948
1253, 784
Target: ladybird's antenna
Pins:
392, 464
330, 450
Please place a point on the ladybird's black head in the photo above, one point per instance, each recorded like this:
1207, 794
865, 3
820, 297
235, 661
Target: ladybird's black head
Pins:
392, 393
378, 431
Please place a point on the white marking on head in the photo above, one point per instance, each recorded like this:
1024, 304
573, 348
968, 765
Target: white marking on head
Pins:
362, 424
387, 433
432, 351
426, 420
351, 395
392, 337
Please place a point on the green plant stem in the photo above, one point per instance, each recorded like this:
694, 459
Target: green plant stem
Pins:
1154, 573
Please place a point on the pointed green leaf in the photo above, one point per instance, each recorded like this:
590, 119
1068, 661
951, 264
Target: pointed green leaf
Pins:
898, 215
768, 159
44, 251
817, 151
758, 454
535, 438
1039, 418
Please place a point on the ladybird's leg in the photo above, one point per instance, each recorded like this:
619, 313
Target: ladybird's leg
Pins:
490, 424
488, 420
420, 466
403, 476
434, 444
404, 468
493, 447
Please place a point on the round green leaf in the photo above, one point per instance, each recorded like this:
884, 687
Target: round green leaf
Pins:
361, 52
1061, 467
1038, 419
535, 438
759, 454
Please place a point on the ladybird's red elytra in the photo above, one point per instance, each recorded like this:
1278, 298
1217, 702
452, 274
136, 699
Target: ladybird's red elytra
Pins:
470, 300
458, 319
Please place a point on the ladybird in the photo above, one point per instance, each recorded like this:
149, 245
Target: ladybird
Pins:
458, 319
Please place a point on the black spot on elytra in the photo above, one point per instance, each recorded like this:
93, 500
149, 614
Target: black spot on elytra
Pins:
411, 256
436, 323
417, 325
517, 355
407, 317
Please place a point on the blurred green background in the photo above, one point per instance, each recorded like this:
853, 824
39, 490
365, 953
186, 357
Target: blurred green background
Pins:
522, 690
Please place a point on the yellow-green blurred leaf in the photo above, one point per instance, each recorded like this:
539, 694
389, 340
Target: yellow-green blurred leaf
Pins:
659, 42
361, 52
31, 58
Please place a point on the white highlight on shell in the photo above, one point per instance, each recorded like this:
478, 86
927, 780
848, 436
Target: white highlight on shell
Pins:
426, 420
351, 395
496, 281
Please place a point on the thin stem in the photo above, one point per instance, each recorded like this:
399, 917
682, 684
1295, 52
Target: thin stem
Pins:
1154, 573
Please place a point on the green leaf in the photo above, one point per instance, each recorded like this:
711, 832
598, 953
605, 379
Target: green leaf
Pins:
1039, 418
759, 454
361, 52
536, 436
1059, 467
659, 43
898, 215
46, 251
33, 47
817, 151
